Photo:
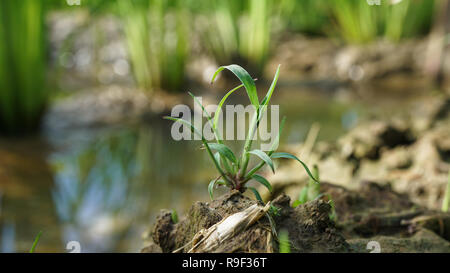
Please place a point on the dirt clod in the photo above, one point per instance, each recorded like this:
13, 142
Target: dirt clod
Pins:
308, 225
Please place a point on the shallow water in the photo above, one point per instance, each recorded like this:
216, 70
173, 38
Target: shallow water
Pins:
104, 187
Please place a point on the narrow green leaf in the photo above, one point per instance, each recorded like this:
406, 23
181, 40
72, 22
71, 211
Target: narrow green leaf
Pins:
264, 157
290, 156
246, 80
210, 120
256, 193
313, 187
285, 244
212, 184
332, 214
266, 99
217, 157
263, 181
219, 107
187, 123
272, 149
224, 151
303, 196
36, 240
193, 129
174, 216
208, 116
211, 188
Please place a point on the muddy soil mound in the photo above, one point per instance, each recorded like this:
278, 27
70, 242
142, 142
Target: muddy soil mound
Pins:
309, 226
373, 214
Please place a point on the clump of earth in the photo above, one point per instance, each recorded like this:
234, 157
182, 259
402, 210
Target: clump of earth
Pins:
374, 213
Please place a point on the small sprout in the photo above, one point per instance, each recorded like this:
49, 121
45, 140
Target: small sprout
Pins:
174, 216
233, 172
274, 211
313, 187
332, 214
446, 201
284, 243
36, 240
311, 191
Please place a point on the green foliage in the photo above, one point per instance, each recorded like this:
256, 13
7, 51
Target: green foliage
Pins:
157, 38
23, 95
358, 22
174, 216
237, 31
446, 201
306, 16
407, 19
284, 243
36, 240
332, 214
311, 191
274, 211
233, 171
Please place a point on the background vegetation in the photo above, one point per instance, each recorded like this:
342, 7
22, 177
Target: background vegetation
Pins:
159, 36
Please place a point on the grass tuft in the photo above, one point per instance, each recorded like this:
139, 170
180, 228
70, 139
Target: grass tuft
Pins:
232, 170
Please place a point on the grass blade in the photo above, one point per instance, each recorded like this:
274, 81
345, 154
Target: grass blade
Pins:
256, 193
174, 216
290, 156
246, 80
313, 187
219, 107
36, 240
216, 163
187, 123
264, 157
302, 197
217, 157
208, 116
285, 245
211, 188
272, 149
224, 151
212, 184
266, 99
216, 132
263, 181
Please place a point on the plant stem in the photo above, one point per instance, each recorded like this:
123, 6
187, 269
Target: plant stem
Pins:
272, 150
248, 144
216, 163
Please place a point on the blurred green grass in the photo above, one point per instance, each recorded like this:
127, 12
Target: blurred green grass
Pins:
23, 94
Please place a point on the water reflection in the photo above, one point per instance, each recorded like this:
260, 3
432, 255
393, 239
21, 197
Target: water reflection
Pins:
107, 185
8, 238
